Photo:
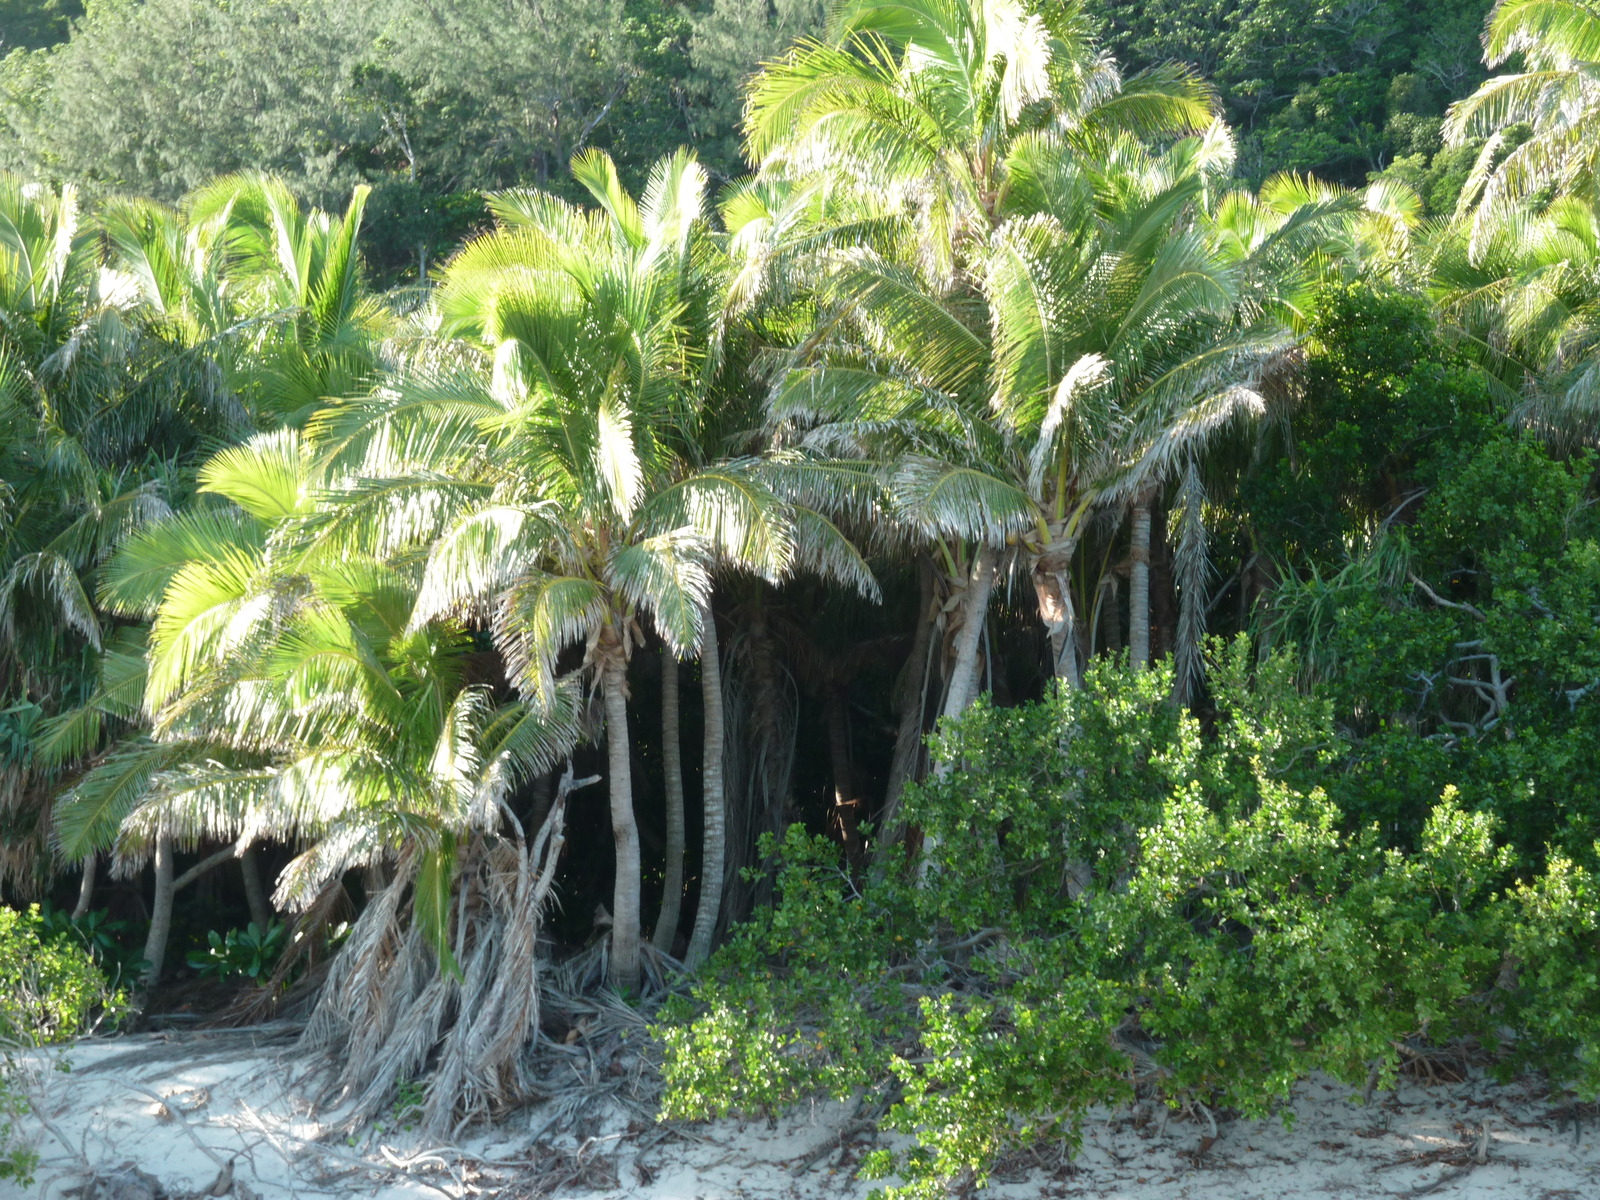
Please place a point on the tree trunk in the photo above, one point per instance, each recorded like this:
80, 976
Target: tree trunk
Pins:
254, 894
1107, 618
666, 931
1163, 592
714, 855
845, 816
155, 942
85, 888
974, 610
624, 974
1139, 588
1052, 584
911, 703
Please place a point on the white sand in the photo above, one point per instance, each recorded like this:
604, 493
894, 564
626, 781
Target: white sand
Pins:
125, 1100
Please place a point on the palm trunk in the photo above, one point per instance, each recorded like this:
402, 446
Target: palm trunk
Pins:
713, 857
845, 816
1163, 593
85, 888
254, 894
1052, 584
912, 706
974, 614
666, 931
1139, 588
624, 974
155, 942
974, 608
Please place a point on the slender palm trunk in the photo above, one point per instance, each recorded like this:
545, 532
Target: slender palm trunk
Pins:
1052, 584
254, 894
1139, 588
912, 706
155, 942
974, 608
714, 856
624, 829
845, 817
666, 931
85, 887
974, 614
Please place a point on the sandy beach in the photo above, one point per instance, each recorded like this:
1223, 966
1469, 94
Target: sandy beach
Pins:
231, 1113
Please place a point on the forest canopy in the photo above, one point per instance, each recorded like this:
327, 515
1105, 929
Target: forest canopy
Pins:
995, 556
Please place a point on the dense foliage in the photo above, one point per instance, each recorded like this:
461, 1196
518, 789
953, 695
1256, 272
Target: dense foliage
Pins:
51, 990
1117, 904
859, 522
431, 105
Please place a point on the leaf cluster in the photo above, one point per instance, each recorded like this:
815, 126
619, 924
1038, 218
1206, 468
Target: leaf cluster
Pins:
1117, 902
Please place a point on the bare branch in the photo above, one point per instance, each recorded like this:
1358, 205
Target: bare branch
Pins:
1443, 603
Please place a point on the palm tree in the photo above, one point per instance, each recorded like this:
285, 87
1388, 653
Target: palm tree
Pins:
666, 930
1125, 310
958, 117
567, 493
926, 102
295, 277
104, 405
1522, 294
289, 694
1555, 95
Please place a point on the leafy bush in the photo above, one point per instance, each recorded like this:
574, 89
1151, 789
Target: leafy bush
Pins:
50, 991
50, 988
1550, 988
251, 952
107, 939
1115, 901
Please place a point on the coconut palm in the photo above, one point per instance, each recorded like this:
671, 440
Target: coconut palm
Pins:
1125, 312
1523, 294
1273, 251
569, 495
951, 117
1555, 95
289, 695
925, 102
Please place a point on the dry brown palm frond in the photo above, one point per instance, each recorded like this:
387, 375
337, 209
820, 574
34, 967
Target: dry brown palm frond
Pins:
390, 1012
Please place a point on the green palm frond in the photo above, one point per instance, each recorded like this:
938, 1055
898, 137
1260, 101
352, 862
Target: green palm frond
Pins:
821, 549
668, 576
87, 818
595, 171
523, 740
735, 512
201, 801
118, 696
144, 565
539, 616
1543, 31
211, 610
952, 500
266, 476
481, 555
47, 577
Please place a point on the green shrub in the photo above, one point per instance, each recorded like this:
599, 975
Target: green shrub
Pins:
1113, 899
1549, 992
50, 991
251, 952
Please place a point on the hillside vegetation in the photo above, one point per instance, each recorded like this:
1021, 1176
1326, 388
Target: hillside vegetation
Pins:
998, 556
